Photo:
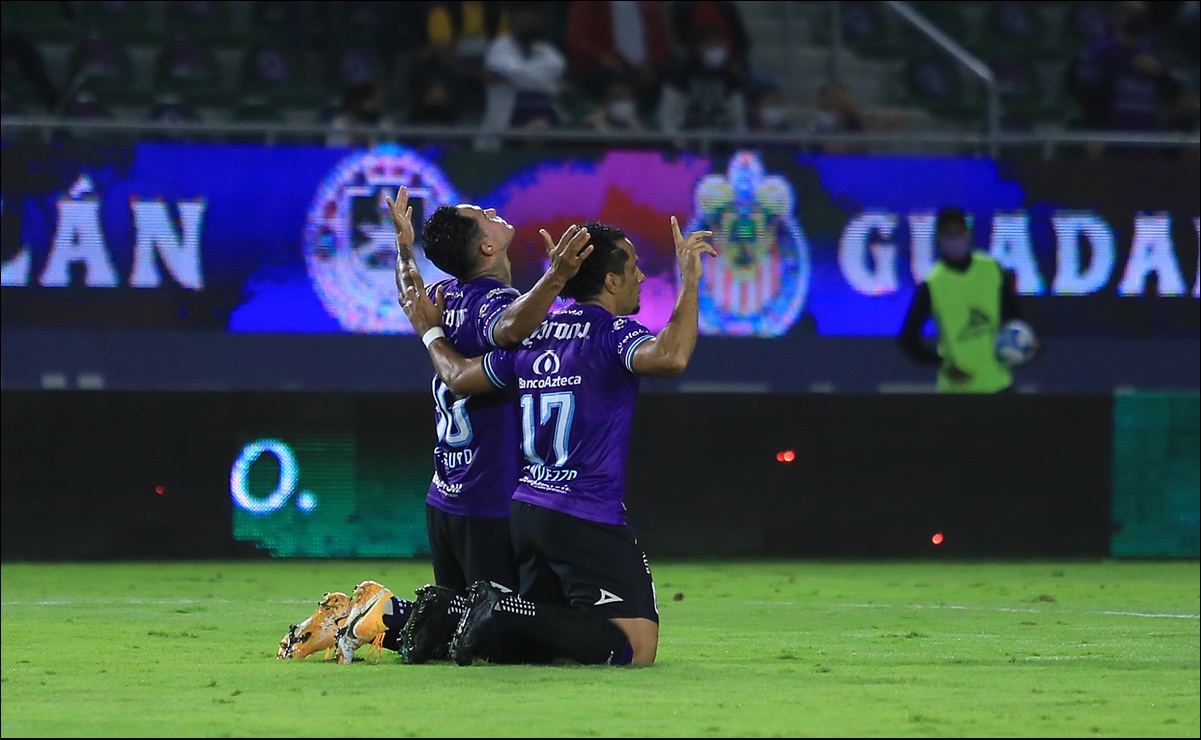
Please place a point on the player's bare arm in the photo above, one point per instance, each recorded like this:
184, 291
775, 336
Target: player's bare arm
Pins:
668, 353
402, 222
463, 376
526, 313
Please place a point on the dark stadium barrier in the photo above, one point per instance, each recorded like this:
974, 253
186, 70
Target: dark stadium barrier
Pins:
873, 475
114, 475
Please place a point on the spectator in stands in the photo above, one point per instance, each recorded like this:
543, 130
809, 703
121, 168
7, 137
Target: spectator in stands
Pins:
1175, 24
1174, 27
288, 21
362, 109
704, 91
436, 100
443, 85
619, 39
840, 113
525, 75
171, 109
457, 35
468, 26
619, 111
1122, 81
687, 18
767, 112
84, 105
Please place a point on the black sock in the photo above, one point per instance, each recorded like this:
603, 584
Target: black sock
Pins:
395, 619
525, 632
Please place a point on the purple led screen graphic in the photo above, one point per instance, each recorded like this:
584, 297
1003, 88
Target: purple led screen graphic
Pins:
249, 239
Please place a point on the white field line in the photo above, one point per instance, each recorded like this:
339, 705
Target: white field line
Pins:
1025, 610
137, 602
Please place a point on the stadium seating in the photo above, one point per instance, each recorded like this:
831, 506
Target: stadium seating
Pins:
934, 81
1014, 28
214, 24
1020, 88
299, 56
281, 76
128, 23
47, 22
865, 27
345, 65
85, 105
187, 67
105, 67
172, 109
1084, 22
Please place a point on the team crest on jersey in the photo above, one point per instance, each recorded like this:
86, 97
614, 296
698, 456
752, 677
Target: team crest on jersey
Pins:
349, 246
758, 283
547, 363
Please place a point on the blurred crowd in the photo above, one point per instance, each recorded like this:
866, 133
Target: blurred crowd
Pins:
607, 66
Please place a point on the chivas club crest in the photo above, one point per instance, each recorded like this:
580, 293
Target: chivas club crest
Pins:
349, 240
758, 283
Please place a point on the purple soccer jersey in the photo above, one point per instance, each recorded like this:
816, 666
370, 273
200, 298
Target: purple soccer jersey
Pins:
476, 459
575, 388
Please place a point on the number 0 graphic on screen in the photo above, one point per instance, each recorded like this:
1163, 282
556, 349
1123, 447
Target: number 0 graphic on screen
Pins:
562, 402
285, 486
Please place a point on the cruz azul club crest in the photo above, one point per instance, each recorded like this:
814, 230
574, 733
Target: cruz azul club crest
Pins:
349, 240
758, 283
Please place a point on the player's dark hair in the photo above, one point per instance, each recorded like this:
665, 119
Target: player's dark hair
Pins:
448, 239
606, 257
950, 216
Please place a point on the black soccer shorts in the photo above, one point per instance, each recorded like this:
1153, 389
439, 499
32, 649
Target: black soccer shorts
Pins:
562, 559
466, 549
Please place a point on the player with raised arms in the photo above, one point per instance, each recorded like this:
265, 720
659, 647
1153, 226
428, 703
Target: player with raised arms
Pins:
476, 459
586, 594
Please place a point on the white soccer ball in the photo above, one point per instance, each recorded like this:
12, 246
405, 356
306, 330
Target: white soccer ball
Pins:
1015, 342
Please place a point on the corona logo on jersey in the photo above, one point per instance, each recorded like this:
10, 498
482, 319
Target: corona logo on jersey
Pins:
349, 240
757, 284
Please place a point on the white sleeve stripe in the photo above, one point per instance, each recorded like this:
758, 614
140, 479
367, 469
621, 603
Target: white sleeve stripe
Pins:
629, 358
492, 378
488, 333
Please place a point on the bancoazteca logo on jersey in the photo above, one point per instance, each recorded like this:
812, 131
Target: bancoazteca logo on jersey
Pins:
758, 283
349, 240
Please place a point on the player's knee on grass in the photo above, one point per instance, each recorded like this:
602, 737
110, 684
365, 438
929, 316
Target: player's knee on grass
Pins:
643, 635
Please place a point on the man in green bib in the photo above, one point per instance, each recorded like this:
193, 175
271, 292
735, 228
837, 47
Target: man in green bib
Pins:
969, 296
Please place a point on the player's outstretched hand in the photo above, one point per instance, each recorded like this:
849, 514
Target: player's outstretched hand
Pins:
689, 251
402, 221
567, 256
423, 313
402, 215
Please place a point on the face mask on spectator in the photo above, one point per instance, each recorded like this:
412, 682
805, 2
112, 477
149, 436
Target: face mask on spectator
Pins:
713, 56
622, 110
772, 115
955, 248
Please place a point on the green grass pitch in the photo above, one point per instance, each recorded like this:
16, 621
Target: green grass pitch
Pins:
1105, 648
